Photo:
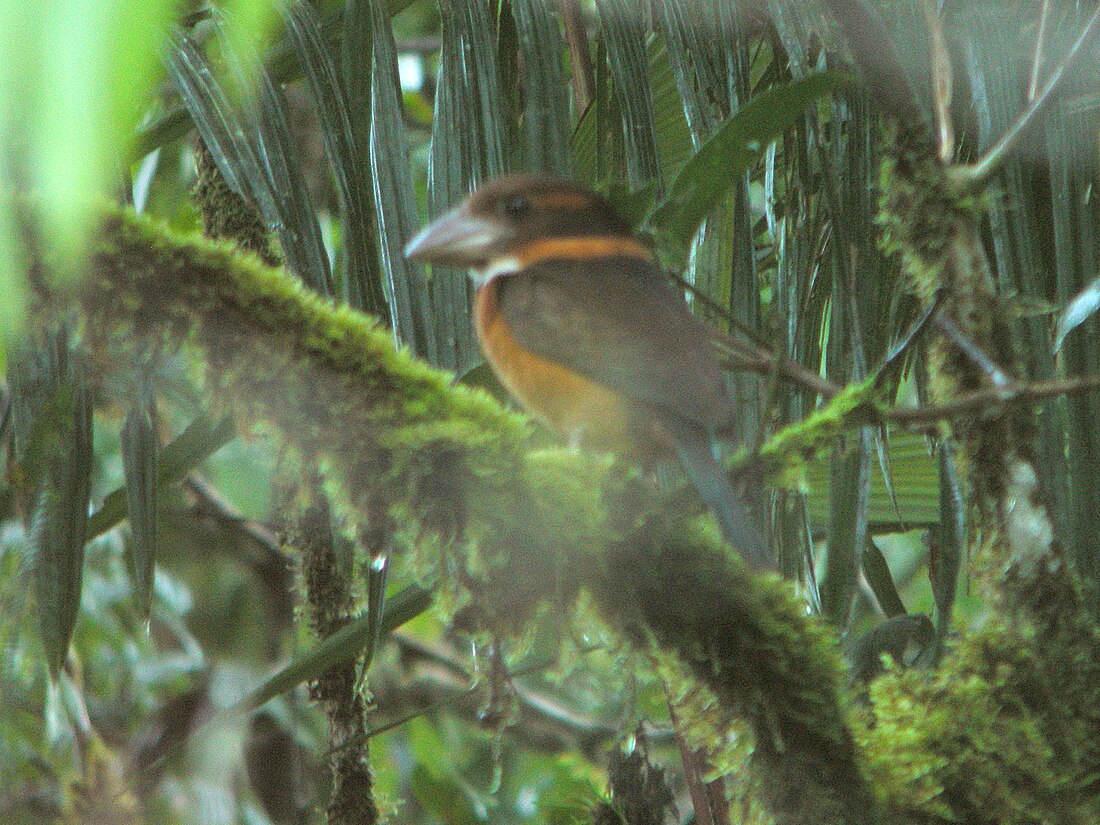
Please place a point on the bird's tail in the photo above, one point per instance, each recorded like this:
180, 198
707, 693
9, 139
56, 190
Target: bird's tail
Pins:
696, 450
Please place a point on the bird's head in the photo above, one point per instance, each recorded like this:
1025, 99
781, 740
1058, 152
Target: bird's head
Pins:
488, 231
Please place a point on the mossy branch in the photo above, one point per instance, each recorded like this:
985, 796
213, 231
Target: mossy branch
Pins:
511, 525
1004, 731
516, 527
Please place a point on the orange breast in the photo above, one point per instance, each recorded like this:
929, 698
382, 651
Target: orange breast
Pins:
573, 405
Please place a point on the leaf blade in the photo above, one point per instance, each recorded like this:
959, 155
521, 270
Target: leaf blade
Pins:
708, 175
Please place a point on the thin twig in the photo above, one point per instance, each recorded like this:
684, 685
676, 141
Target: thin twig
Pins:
749, 357
911, 336
999, 153
713, 307
746, 354
981, 400
212, 504
1037, 58
435, 678
941, 82
1001, 380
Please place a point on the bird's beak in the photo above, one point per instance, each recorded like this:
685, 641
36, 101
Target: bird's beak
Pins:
458, 239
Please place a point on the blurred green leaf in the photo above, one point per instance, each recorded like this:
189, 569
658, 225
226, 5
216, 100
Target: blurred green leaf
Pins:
203, 437
347, 642
74, 79
140, 449
14, 289
247, 22
53, 412
443, 797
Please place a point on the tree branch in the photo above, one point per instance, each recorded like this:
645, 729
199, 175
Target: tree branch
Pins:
396, 435
981, 401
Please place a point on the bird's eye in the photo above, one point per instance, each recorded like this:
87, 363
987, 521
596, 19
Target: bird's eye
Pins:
515, 206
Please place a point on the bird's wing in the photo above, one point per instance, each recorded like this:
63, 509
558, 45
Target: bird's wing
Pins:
617, 321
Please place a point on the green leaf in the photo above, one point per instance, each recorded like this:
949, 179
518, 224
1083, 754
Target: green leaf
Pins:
219, 126
468, 146
706, 179
882, 583
545, 88
703, 43
849, 492
347, 642
911, 500
345, 156
624, 28
394, 199
254, 152
948, 542
59, 502
674, 147
282, 63
202, 438
140, 459
377, 575
58, 560
597, 159
299, 230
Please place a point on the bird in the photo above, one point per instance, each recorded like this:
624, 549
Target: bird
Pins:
579, 324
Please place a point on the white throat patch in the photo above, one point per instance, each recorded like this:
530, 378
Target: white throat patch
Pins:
508, 265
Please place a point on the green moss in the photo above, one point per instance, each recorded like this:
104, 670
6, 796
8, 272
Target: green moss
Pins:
748, 639
921, 210
989, 738
227, 215
786, 453
933, 221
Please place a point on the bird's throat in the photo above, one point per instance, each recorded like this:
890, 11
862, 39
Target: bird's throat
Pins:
540, 250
